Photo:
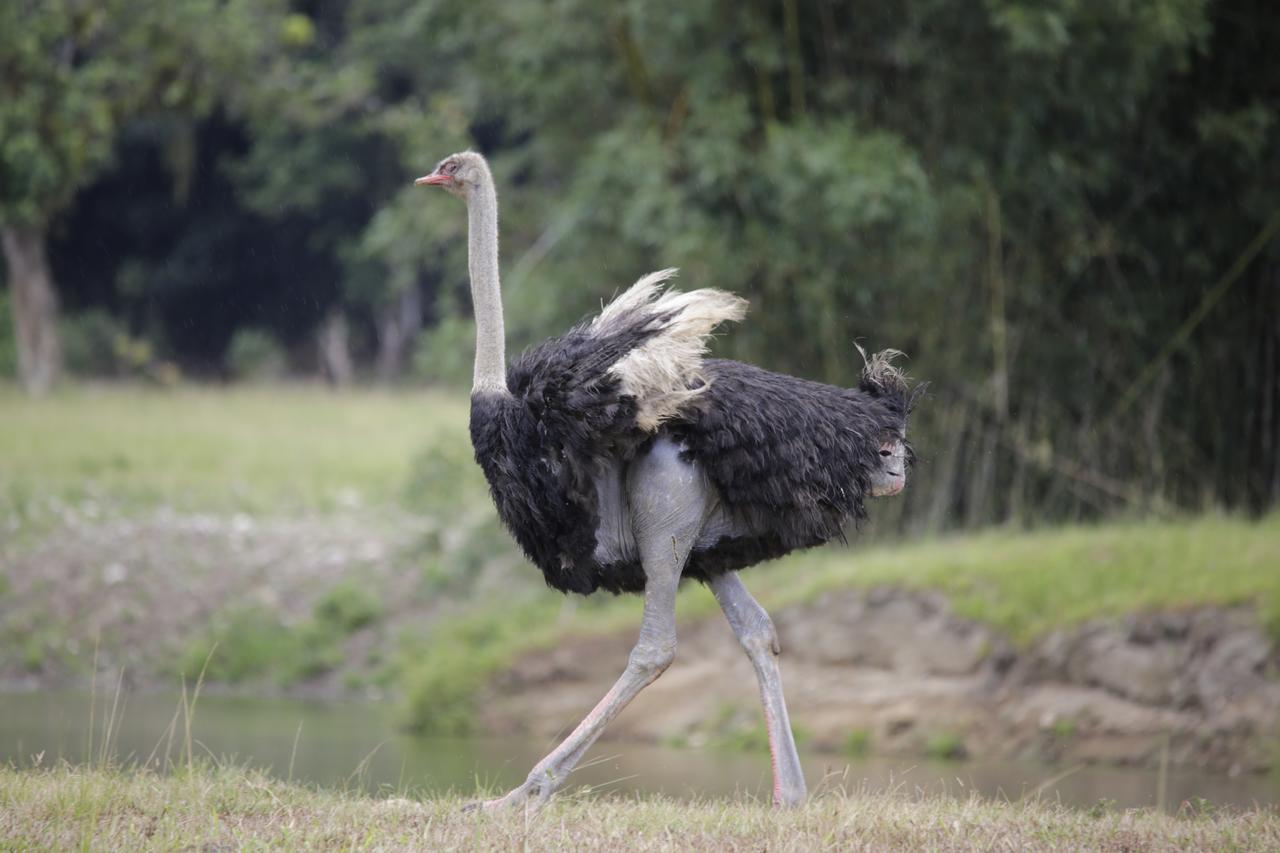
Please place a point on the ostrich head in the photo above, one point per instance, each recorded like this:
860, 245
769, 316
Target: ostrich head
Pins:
460, 174
888, 383
891, 477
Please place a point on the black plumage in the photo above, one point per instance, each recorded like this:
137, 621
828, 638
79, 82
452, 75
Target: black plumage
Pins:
541, 446
789, 458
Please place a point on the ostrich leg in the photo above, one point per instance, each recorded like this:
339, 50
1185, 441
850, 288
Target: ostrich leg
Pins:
669, 501
755, 632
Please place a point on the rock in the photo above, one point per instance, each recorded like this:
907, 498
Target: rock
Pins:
1233, 667
908, 632
1147, 673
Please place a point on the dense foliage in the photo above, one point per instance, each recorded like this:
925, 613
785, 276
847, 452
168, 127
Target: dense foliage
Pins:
1062, 210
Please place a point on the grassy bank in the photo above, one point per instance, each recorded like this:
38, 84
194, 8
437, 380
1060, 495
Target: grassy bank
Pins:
216, 808
1029, 583
1024, 583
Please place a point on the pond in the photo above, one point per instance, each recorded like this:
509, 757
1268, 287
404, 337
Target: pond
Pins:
358, 745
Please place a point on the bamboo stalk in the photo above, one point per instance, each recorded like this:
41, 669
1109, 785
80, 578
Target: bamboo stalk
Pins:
1211, 299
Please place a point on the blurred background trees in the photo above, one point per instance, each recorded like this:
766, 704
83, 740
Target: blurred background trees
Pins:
1063, 211
80, 81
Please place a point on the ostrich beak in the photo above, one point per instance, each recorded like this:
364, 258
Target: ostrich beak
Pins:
435, 179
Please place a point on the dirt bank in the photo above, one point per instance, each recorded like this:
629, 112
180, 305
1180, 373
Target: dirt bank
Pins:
135, 591
899, 673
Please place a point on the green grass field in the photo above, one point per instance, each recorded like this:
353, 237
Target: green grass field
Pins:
214, 808
267, 449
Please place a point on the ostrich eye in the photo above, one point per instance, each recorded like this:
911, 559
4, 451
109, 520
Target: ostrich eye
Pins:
450, 168
884, 453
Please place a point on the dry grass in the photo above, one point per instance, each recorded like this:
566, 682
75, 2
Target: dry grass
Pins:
227, 808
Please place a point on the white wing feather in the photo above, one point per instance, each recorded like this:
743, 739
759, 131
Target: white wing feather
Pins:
660, 372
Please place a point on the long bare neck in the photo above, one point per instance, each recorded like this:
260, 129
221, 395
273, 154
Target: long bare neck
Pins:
486, 294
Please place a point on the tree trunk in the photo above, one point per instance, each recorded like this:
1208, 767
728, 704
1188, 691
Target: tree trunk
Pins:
35, 307
399, 322
335, 351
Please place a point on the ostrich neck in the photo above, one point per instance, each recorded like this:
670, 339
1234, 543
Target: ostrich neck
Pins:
486, 294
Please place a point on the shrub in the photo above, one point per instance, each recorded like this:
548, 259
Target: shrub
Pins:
1064, 728
310, 650
254, 354
1101, 808
740, 729
945, 746
252, 643
239, 646
445, 482
440, 691
8, 339
93, 343
96, 344
443, 355
444, 672
857, 744
347, 607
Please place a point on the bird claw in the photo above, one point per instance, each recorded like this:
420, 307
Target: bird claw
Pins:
490, 806
531, 796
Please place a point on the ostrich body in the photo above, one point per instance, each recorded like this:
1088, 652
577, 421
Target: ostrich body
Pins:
620, 459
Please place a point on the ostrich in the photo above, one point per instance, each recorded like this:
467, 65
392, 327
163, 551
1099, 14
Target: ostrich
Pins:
621, 459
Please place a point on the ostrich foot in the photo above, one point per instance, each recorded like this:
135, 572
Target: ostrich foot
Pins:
532, 795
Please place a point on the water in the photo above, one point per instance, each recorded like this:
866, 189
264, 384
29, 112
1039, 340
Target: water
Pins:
358, 745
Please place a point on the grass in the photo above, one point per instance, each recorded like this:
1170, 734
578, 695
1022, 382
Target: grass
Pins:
215, 808
1028, 584
246, 448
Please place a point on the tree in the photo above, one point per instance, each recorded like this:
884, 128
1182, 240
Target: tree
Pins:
72, 73
1034, 198
1062, 209
337, 136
